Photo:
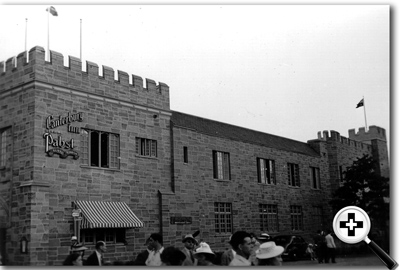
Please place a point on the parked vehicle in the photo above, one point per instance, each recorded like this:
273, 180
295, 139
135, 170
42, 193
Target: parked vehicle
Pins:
295, 246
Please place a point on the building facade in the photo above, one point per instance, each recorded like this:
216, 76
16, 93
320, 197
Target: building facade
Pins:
107, 159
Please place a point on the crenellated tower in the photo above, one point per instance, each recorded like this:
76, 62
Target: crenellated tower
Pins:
37, 189
376, 137
340, 152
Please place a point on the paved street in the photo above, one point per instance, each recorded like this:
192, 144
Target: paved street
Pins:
370, 261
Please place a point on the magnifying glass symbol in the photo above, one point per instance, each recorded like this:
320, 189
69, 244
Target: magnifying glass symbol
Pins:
351, 225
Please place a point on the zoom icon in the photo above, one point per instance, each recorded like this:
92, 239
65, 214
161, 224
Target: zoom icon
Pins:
351, 224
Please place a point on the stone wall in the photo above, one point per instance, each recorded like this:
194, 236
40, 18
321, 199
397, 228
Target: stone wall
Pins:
44, 187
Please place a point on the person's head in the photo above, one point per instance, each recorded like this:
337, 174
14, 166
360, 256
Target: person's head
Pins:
101, 246
156, 241
148, 244
172, 256
269, 254
264, 237
189, 242
241, 243
204, 254
73, 259
74, 239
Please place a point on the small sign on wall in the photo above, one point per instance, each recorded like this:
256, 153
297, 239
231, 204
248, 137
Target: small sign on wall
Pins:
181, 220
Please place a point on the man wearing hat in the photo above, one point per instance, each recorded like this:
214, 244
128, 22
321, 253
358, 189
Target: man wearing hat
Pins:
264, 237
269, 254
204, 255
79, 248
189, 243
74, 241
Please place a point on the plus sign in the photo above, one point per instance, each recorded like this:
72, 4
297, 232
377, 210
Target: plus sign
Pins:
351, 224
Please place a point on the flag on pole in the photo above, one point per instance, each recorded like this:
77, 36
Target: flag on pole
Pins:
53, 11
360, 104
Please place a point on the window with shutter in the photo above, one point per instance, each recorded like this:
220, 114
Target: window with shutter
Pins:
100, 149
146, 147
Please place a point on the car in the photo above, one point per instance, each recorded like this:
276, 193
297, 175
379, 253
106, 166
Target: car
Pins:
294, 246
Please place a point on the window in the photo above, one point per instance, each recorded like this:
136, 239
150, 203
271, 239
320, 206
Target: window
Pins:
317, 217
223, 217
293, 175
100, 149
268, 217
266, 171
315, 178
185, 154
341, 176
111, 236
4, 144
296, 217
146, 147
221, 165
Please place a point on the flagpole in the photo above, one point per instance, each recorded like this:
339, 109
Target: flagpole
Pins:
48, 34
365, 116
81, 42
26, 31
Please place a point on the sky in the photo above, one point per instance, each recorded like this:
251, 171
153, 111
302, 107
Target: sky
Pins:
290, 70
287, 70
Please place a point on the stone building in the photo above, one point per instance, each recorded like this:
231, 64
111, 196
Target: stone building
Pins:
105, 159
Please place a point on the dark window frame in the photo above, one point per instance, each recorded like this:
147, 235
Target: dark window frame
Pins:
293, 175
146, 147
315, 177
269, 219
296, 218
100, 149
108, 235
185, 155
223, 218
221, 165
266, 171
5, 144
317, 216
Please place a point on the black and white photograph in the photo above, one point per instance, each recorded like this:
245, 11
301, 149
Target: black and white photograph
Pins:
193, 135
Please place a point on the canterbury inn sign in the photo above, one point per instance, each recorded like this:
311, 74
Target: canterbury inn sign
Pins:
54, 142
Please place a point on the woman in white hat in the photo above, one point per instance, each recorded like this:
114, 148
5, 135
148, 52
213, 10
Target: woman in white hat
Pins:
269, 254
204, 255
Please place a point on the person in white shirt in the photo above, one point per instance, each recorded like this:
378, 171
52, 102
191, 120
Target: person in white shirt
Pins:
331, 248
242, 245
156, 243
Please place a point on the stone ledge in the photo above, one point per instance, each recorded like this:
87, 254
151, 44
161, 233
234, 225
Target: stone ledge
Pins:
34, 183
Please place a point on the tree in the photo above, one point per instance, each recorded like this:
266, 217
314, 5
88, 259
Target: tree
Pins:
363, 187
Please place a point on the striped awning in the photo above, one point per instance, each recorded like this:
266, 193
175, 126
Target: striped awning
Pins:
96, 214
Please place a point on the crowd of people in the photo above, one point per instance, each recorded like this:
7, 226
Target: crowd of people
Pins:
246, 250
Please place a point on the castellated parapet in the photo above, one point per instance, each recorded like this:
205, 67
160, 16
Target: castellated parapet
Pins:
36, 68
335, 136
373, 132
